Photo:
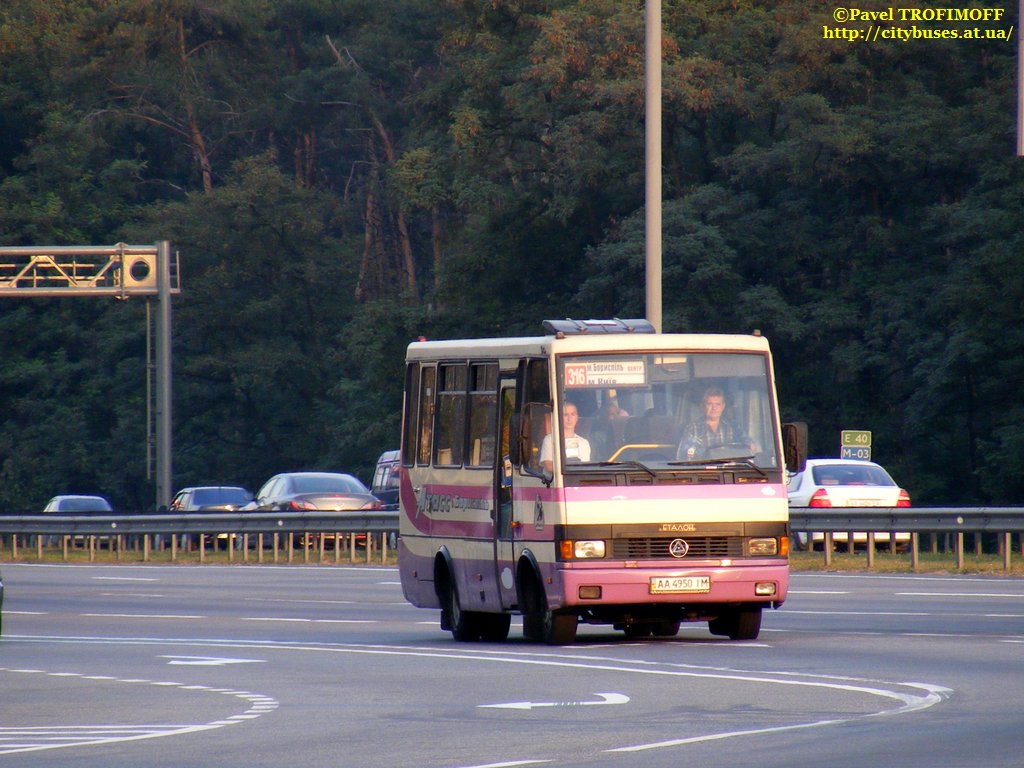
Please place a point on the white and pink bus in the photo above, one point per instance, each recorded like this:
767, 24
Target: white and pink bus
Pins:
600, 473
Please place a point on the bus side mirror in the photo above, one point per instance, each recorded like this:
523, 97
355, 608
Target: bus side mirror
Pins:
794, 445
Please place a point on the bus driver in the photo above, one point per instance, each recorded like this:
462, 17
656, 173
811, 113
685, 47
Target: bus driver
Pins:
702, 436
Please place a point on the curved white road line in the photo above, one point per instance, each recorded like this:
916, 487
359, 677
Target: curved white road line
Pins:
909, 696
34, 738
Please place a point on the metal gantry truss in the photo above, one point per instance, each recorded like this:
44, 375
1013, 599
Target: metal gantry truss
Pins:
120, 271
69, 270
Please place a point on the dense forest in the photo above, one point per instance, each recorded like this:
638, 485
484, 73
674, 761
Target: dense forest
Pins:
341, 177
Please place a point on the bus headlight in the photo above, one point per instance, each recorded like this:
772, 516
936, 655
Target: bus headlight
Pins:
582, 550
763, 547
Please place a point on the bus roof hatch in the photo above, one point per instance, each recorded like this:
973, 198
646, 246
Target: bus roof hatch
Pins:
570, 327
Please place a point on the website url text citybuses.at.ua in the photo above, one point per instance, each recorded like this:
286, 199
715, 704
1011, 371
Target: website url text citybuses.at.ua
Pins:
909, 24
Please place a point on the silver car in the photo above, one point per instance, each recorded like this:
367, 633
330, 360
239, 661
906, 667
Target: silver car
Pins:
73, 504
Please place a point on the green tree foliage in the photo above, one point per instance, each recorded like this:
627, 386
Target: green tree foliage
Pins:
343, 176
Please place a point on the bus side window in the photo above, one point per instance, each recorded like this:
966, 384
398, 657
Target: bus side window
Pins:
410, 429
450, 427
483, 408
426, 414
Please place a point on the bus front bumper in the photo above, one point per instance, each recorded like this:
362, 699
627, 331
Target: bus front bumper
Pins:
757, 581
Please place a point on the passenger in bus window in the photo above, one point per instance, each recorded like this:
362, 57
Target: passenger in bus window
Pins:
607, 429
577, 448
714, 435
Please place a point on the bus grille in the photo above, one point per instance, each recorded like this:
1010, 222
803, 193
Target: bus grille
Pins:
658, 548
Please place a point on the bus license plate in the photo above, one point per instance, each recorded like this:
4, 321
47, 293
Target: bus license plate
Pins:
662, 585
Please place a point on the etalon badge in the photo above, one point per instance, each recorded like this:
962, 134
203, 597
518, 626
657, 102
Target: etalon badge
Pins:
678, 548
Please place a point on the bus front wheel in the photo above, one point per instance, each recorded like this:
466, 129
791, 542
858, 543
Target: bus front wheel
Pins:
546, 626
737, 623
464, 625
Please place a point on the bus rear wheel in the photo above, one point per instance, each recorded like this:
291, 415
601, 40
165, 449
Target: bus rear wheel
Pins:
737, 623
494, 627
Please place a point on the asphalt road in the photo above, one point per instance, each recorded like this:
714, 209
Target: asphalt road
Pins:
108, 666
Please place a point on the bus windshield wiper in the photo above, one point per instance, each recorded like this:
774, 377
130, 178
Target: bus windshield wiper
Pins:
725, 461
630, 463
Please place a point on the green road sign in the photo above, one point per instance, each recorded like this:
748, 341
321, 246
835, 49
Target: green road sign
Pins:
855, 438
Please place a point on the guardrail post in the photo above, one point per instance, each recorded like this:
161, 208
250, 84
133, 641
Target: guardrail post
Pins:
383, 547
826, 547
64, 546
959, 550
915, 558
1007, 549
870, 544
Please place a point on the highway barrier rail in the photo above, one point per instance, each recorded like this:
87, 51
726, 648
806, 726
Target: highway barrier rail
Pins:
249, 536
276, 537
950, 523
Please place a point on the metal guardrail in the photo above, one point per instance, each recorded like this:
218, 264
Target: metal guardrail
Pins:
957, 521
382, 526
273, 528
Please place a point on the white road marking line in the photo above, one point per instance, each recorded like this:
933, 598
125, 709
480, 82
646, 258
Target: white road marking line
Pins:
122, 578
131, 594
308, 621
860, 613
33, 738
208, 661
960, 594
141, 615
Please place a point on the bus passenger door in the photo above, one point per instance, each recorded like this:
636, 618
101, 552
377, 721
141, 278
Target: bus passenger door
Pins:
504, 552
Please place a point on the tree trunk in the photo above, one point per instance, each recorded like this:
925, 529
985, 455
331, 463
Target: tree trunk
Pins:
195, 134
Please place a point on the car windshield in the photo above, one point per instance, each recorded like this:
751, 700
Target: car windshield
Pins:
328, 484
662, 409
849, 474
209, 497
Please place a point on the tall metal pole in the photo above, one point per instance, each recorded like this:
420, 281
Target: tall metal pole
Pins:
1020, 83
163, 374
652, 157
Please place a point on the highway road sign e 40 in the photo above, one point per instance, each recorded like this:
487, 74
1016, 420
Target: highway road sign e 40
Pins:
855, 438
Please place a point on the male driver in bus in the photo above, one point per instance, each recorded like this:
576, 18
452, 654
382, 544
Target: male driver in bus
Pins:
577, 448
701, 437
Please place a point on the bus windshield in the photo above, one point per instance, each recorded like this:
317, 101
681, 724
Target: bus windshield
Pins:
666, 410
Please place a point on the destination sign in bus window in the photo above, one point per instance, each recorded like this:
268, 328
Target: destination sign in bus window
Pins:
606, 373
